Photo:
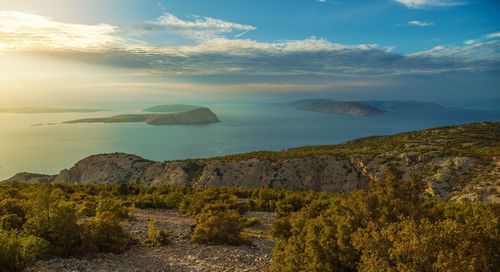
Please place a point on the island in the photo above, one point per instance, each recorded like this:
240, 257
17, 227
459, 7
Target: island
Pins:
171, 108
195, 116
47, 110
403, 105
361, 108
355, 108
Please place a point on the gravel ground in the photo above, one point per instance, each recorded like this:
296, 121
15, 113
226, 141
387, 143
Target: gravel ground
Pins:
180, 255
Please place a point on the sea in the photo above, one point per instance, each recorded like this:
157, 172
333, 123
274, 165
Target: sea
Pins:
40, 143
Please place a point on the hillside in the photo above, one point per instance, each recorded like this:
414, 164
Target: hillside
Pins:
457, 162
195, 116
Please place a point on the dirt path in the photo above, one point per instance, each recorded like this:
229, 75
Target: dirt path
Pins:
180, 255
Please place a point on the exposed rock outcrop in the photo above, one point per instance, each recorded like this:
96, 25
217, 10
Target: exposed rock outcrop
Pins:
32, 178
471, 172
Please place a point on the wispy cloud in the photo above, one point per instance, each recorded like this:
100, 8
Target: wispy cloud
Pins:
420, 23
199, 28
494, 35
419, 4
20, 30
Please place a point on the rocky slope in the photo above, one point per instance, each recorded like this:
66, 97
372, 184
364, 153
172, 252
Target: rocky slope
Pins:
461, 162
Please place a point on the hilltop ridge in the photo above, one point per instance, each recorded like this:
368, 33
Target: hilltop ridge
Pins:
457, 162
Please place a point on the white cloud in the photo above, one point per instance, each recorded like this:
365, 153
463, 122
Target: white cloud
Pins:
420, 23
418, 4
220, 56
477, 52
199, 28
469, 42
20, 30
494, 35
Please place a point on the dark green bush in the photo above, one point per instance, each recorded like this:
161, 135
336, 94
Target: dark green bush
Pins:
17, 252
113, 206
103, 233
155, 236
216, 224
251, 222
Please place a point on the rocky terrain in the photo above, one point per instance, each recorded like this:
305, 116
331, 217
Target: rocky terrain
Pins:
461, 162
194, 116
179, 256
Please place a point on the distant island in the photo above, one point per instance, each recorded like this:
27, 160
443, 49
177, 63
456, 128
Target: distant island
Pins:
360, 108
330, 106
195, 116
403, 105
47, 110
171, 108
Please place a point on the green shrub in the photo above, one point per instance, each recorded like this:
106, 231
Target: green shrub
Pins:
392, 227
58, 225
155, 236
88, 207
251, 222
17, 252
281, 229
216, 224
114, 206
11, 221
103, 233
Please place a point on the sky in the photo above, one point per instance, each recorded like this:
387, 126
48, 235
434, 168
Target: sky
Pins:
78, 52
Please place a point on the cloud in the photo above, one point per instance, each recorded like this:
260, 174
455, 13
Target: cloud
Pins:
494, 35
20, 30
292, 59
420, 23
480, 54
420, 4
234, 59
199, 28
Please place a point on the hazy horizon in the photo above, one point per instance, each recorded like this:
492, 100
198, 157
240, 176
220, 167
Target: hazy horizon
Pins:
85, 52
236, 57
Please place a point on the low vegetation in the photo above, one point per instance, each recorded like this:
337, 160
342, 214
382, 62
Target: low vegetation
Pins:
474, 140
394, 226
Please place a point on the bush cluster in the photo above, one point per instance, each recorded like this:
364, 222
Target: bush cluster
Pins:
56, 220
218, 223
392, 227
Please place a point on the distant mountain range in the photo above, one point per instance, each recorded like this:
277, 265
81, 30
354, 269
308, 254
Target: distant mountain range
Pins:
360, 108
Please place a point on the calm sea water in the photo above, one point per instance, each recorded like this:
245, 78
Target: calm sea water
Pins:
50, 148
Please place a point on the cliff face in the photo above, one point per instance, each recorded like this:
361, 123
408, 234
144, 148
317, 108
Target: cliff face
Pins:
472, 171
447, 176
